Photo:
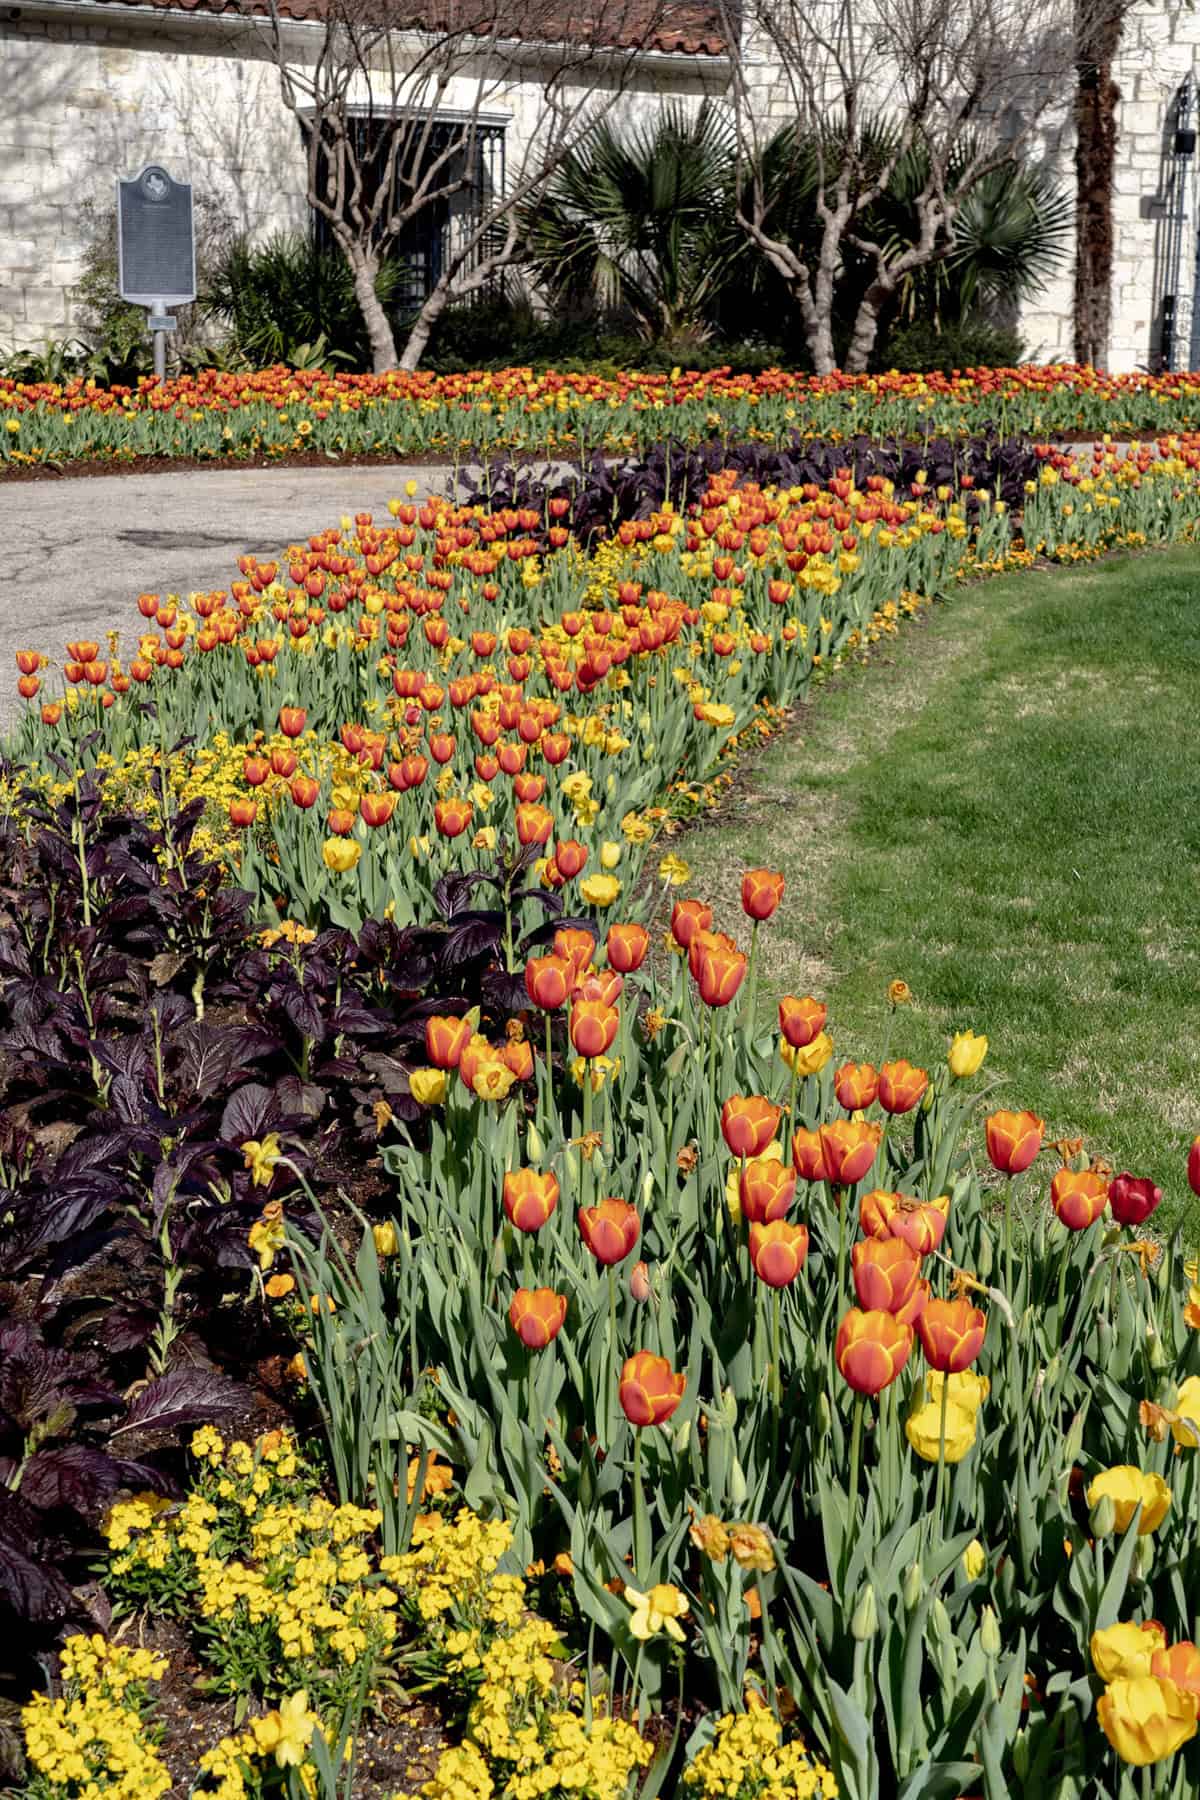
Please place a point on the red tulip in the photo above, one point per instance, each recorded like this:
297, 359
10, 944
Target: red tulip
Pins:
626, 946
530, 1197
801, 1020
748, 1123
856, 1085
766, 1189
1078, 1198
548, 981
610, 1229
808, 1154
536, 1315
687, 918
593, 1027
777, 1252
762, 890
901, 1086
849, 1148
871, 1349
1132, 1198
951, 1333
1013, 1140
887, 1274
446, 1038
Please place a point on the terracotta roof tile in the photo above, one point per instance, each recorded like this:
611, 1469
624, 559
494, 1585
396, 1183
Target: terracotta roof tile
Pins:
679, 27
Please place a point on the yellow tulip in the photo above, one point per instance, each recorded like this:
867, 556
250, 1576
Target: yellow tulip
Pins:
1123, 1652
386, 1240
812, 1058
600, 890
610, 854
974, 1557
341, 854
967, 1389
1146, 1718
966, 1054
923, 1431
1185, 1425
1128, 1488
427, 1086
493, 1080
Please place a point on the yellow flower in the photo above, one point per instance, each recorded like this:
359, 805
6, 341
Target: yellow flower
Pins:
974, 1558
635, 829
923, 1431
751, 1548
288, 1732
341, 854
610, 854
966, 1054
967, 1389
659, 1610
576, 786
710, 1537
600, 1068
899, 993
733, 1180
1147, 1718
673, 870
1128, 1488
261, 1157
1185, 1424
712, 713
812, 1058
493, 1079
386, 1240
600, 890
1123, 1652
427, 1086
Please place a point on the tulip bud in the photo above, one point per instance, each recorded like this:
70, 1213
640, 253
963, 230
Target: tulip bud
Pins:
989, 1631
865, 1622
1103, 1517
1156, 1355
1143, 1557
914, 1583
535, 1149
682, 1435
939, 1618
984, 1260
824, 1417
1020, 1755
738, 1491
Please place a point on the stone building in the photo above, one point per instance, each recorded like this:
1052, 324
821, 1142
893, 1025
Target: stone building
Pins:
95, 88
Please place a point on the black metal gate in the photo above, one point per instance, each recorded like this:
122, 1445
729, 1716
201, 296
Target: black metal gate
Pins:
1177, 246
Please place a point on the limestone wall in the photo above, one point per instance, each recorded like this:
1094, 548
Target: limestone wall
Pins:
81, 103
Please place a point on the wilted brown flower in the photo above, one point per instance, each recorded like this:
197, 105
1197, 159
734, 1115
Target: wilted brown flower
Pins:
710, 1537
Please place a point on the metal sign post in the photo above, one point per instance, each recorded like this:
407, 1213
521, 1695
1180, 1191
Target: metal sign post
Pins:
156, 250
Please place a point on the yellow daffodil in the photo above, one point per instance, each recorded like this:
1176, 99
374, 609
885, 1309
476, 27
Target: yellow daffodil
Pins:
659, 1610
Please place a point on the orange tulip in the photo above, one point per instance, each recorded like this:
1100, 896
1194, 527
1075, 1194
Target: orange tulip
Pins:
570, 856
452, 817
951, 1333
292, 720
530, 1197
610, 1229
529, 787
748, 1123
871, 1348
1078, 1197
51, 712
548, 981
856, 1085
255, 770
534, 823
441, 746
777, 1252
243, 813
921, 1224
593, 1027
536, 1315
849, 1148
702, 942
887, 1274
305, 791
340, 821
626, 946
901, 1086
801, 1020
808, 1155
720, 976
762, 890
445, 1040
376, 809
576, 946
649, 1389
766, 1189
1180, 1664
687, 918
283, 762
1013, 1140
28, 686
517, 1054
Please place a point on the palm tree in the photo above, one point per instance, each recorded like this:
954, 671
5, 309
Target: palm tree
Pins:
638, 221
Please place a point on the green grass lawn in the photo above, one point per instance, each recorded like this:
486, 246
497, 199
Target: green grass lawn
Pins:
1003, 808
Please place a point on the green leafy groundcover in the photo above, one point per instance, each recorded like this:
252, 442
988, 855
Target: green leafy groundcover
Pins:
580, 1338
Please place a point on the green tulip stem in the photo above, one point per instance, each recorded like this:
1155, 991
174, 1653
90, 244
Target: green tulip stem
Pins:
841, 1249
789, 1117
860, 1403
776, 1360
1008, 1188
551, 1119
612, 1355
941, 1469
585, 1149
1062, 1285
641, 1520
750, 1013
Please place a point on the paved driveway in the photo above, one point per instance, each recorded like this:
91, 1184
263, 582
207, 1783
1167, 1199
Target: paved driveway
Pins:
76, 553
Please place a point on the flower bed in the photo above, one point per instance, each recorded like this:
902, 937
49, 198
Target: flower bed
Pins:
670, 1396
279, 412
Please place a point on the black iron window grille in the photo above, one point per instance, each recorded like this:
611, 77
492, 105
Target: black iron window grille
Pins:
425, 243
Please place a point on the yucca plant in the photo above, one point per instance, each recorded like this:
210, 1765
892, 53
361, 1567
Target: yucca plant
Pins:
290, 301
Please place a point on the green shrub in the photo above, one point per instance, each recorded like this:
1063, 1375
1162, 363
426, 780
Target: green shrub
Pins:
969, 343
289, 301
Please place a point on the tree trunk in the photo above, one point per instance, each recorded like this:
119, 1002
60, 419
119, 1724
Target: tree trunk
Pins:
818, 333
866, 326
364, 266
1098, 37
418, 338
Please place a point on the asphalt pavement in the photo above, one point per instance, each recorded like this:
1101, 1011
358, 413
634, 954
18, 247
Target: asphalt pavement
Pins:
75, 552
